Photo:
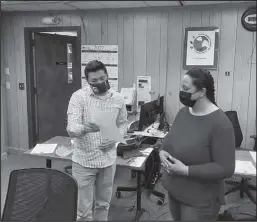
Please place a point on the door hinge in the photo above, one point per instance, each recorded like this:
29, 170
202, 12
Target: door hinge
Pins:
36, 137
33, 42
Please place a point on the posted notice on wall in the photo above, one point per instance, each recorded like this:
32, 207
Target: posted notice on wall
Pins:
200, 47
107, 54
144, 88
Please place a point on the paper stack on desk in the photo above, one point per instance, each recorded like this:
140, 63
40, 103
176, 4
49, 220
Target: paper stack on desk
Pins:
245, 167
137, 161
44, 148
64, 151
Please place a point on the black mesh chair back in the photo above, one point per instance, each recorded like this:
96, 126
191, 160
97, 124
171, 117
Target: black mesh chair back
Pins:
232, 115
41, 194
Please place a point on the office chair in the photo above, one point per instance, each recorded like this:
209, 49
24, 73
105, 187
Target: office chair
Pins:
243, 186
151, 175
40, 194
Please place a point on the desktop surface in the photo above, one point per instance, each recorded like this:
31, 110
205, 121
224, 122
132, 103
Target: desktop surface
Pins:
138, 163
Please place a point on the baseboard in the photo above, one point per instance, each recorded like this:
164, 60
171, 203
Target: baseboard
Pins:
17, 151
4, 156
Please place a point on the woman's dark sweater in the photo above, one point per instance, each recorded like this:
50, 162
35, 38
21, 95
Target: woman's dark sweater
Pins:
206, 144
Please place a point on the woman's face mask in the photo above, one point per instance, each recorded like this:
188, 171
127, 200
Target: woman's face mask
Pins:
189, 94
186, 98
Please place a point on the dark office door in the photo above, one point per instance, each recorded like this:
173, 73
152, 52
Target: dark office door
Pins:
53, 86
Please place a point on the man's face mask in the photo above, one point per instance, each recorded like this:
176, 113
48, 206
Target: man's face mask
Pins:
100, 88
186, 98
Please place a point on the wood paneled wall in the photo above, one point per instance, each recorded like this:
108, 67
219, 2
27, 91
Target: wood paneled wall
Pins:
3, 123
150, 43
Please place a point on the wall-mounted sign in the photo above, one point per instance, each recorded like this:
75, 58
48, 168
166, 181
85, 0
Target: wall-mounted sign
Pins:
249, 19
107, 54
201, 47
50, 20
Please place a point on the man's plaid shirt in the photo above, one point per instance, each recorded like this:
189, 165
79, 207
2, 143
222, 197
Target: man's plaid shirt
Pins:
86, 148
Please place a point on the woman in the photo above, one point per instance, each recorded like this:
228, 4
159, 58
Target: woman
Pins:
198, 152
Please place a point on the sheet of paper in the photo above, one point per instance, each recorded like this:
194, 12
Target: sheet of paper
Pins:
245, 167
63, 151
128, 95
107, 123
44, 148
253, 154
146, 151
137, 162
143, 89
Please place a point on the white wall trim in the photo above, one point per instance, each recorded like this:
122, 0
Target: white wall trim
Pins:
4, 156
17, 151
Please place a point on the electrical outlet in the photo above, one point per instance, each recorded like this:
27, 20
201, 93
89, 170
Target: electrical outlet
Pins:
8, 85
227, 73
7, 71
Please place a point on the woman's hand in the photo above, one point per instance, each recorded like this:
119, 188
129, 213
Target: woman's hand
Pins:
173, 165
164, 156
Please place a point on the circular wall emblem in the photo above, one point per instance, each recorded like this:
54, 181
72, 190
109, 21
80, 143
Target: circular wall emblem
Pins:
248, 19
201, 43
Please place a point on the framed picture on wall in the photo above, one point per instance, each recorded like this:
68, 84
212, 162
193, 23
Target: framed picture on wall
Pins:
201, 45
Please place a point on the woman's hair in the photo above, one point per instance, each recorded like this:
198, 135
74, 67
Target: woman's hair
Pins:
203, 79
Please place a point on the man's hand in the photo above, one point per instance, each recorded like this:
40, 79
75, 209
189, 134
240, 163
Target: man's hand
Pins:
107, 144
91, 127
173, 165
83, 129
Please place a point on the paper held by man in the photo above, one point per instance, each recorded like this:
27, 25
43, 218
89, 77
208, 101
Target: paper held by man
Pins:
107, 124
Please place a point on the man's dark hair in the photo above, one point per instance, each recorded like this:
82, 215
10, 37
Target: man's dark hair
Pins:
203, 79
94, 66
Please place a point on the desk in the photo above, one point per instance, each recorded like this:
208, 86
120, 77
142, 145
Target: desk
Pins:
137, 164
245, 171
240, 155
244, 155
61, 141
254, 137
151, 132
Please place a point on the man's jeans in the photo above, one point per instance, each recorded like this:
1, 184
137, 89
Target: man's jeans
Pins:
94, 186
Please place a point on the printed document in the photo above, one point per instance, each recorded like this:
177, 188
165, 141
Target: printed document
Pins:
44, 148
107, 124
245, 167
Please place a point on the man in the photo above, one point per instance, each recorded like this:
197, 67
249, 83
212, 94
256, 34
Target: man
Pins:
93, 161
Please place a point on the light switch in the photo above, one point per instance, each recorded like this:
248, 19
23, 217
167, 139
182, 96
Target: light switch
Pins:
8, 85
21, 86
7, 71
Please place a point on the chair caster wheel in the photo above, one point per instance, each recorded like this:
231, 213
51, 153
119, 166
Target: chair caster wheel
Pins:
118, 194
160, 201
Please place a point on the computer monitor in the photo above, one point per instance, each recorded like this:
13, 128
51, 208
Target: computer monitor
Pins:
149, 113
